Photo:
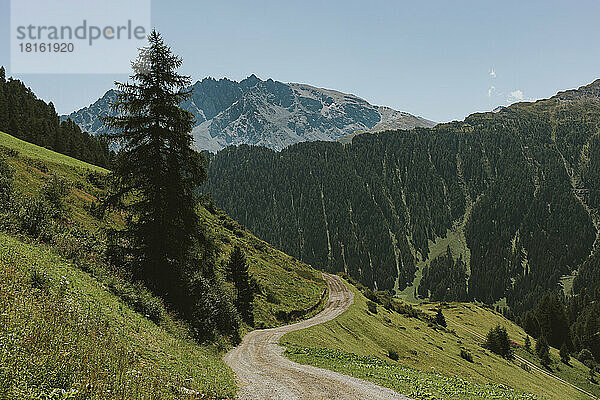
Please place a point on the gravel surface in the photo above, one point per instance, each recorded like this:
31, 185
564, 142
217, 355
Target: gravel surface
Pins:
264, 373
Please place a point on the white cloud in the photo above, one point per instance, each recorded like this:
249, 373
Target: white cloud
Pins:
492, 73
515, 95
491, 90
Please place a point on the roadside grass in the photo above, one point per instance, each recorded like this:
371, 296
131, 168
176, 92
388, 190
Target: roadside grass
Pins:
425, 347
60, 329
406, 380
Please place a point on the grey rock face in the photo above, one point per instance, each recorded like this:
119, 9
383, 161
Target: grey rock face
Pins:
89, 118
267, 113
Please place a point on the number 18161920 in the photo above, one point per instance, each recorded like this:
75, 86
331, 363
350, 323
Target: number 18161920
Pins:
47, 47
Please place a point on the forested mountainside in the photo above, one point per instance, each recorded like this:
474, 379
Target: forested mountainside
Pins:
26, 117
266, 113
512, 196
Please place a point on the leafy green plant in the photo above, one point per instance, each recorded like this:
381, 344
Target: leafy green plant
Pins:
57, 394
139, 298
33, 216
39, 280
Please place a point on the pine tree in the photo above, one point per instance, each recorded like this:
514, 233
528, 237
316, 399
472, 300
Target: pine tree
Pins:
542, 350
565, 357
590, 327
553, 321
237, 272
531, 324
498, 342
528, 344
55, 192
439, 318
156, 175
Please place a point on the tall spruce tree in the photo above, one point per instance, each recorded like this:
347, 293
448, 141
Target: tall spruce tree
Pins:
553, 320
439, 318
156, 174
497, 341
237, 272
565, 356
542, 349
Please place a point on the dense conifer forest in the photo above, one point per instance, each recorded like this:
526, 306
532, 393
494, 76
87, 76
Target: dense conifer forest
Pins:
26, 117
521, 187
445, 278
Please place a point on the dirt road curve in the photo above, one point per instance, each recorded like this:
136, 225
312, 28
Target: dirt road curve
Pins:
264, 373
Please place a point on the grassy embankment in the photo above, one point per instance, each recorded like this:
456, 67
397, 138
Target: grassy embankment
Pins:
60, 329
429, 364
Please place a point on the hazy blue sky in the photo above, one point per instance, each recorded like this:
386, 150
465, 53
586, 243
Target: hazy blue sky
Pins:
431, 58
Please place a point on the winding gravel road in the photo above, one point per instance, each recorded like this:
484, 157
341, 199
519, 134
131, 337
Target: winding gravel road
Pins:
264, 373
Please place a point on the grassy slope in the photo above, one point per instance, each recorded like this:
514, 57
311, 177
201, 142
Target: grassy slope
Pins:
43, 154
74, 327
425, 351
468, 319
286, 284
160, 357
34, 164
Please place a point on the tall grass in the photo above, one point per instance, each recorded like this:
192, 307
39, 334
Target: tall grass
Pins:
62, 334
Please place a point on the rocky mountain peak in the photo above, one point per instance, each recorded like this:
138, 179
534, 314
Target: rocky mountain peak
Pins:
267, 113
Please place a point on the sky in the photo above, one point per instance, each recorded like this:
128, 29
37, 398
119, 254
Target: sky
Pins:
442, 60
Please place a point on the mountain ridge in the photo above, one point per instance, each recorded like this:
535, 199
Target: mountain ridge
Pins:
265, 113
